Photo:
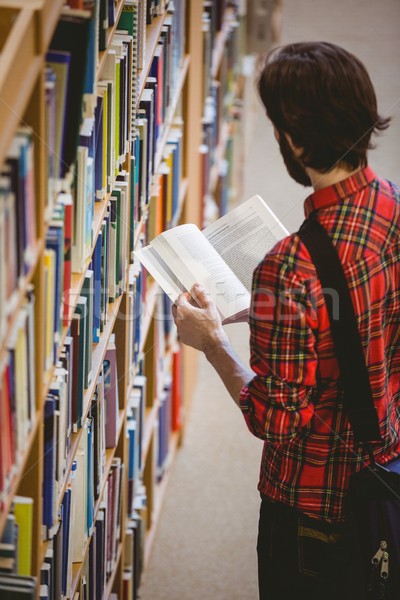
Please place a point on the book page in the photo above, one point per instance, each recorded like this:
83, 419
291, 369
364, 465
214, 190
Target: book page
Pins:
158, 268
244, 236
193, 260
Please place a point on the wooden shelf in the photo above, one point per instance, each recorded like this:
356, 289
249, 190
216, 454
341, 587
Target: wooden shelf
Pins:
18, 73
6, 498
20, 294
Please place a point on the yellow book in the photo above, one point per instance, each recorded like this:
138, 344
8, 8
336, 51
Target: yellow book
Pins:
23, 511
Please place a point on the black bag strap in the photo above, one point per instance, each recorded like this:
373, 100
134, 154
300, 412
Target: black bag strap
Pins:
346, 337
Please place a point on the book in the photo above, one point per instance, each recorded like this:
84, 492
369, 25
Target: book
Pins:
59, 62
17, 587
72, 36
23, 511
222, 257
111, 394
48, 466
81, 310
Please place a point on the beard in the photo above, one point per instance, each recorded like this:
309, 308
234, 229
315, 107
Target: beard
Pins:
292, 163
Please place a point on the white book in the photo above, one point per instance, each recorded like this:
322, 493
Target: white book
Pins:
222, 257
79, 253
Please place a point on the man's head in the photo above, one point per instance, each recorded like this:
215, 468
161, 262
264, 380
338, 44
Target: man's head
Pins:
322, 97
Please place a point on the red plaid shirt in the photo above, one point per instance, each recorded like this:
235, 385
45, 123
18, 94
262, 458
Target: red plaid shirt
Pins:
294, 402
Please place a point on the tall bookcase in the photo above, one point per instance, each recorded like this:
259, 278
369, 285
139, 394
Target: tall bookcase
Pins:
95, 388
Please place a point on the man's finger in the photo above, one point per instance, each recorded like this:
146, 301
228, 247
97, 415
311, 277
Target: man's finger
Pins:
200, 295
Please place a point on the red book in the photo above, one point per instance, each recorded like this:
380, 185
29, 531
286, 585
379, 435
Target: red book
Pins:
7, 434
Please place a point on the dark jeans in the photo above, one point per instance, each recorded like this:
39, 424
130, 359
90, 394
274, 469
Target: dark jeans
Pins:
301, 557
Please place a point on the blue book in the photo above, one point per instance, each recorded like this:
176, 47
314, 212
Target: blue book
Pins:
90, 70
111, 13
48, 463
131, 434
66, 505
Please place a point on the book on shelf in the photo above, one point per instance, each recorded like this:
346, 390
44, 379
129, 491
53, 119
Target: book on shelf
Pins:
95, 266
81, 314
23, 511
222, 257
84, 210
72, 36
49, 489
87, 292
111, 393
9, 546
17, 587
59, 62
19, 171
17, 395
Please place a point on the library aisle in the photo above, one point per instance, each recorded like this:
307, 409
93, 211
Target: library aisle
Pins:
205, 543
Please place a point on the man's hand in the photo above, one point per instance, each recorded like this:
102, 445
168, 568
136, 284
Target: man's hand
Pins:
197, 320
199, 325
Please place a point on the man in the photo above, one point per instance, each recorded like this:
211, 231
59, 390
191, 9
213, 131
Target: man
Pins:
323, 107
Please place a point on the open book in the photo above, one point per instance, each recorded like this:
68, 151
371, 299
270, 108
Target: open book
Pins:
222, 257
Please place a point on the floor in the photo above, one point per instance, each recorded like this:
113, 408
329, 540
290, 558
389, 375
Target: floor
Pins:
205, 544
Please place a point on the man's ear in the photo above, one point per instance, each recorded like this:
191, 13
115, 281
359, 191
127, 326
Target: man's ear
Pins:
296, 150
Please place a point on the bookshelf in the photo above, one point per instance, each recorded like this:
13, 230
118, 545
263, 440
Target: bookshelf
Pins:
224, 49
99, 152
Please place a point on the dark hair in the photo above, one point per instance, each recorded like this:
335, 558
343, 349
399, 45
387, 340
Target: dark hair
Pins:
323, 97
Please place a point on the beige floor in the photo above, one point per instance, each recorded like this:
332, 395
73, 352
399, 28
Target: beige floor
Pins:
205, 543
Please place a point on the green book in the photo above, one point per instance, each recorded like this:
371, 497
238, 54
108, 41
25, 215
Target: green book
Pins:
127, 18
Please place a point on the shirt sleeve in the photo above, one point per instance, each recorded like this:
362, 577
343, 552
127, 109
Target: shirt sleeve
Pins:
283, 320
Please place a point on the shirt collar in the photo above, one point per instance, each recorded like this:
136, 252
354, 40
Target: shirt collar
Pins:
337, 192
